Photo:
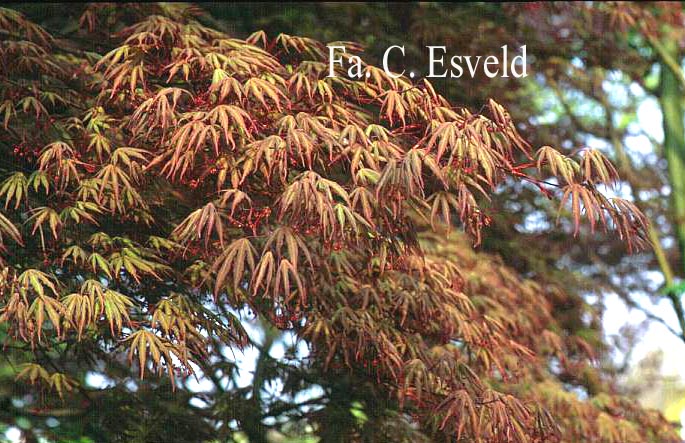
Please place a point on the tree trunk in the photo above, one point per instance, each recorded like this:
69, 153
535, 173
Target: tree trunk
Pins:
670, 98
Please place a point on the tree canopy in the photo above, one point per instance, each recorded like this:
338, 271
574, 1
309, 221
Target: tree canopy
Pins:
165, 182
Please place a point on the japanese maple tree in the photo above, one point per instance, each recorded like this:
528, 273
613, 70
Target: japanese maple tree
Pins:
169, 180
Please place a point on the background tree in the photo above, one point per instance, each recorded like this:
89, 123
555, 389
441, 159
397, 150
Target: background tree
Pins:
166, 183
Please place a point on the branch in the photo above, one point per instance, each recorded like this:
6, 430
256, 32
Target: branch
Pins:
666, 58
567, 108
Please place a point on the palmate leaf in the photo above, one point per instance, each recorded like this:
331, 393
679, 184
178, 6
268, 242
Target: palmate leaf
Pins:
80, 213
588, 201
300, 147
243, 59
11, 20
260, 89
363, 200
96, 120
93, 303
226, 85
15, 187
202, 222
310, 124
30, 104
75, 254
45, 308
54, 153
132, 260
160, 110
631, 224
39, 179
257, 37
177, 317
397, 183
235, 197
238, 257
376, 132
8, 228
149, 347
34, 373
62, 383
132, 158
558, 164
126, 72
363, 164
89, 190
100, 144
300, 85
14, 314
38, 281
394, 106
311, 195
353, 134
113, 179
346, 218
83, 309
115, 307
596, 167
7, 108
263, 155
417, 378
287, 275
99, 264
301, 45
379, 80
115, 56
264, 273
469, 146
286, 243
460, 410
28, 55
443, 204
159, 26
160, 243
186, 141
169, 318
324, 91
45, 216
230, 118
78, 311
101, 240
463, 202
504, 125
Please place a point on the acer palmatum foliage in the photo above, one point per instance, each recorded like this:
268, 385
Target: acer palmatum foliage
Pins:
157, 188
